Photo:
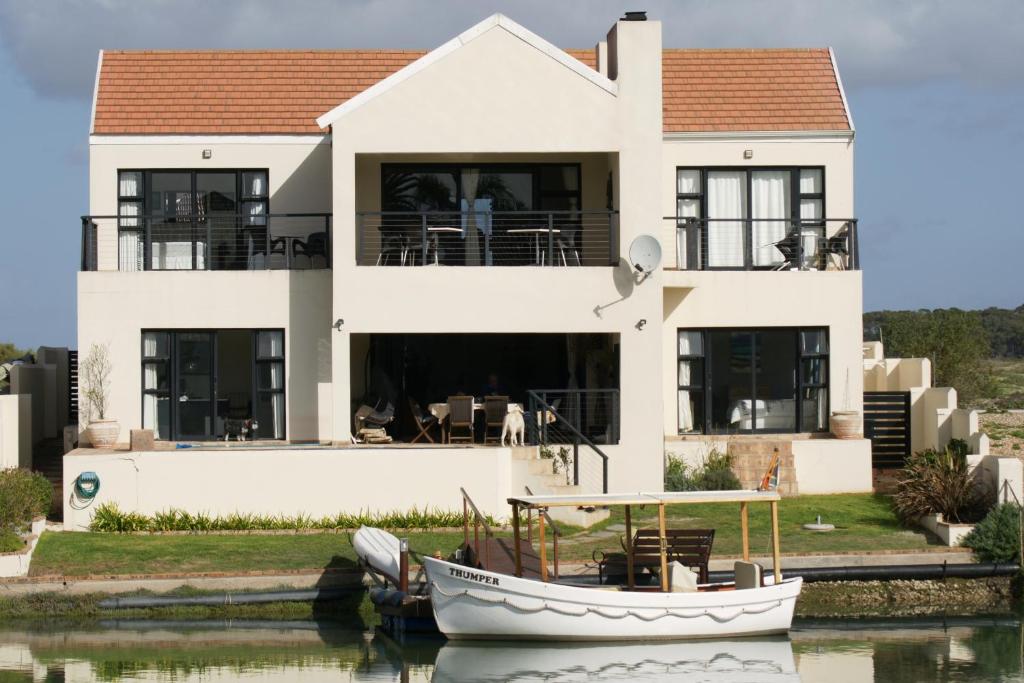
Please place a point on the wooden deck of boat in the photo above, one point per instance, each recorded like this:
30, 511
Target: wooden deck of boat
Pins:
499, 555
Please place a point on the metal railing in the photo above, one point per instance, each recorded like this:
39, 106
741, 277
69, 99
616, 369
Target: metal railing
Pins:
486, 238
285, 241
764, 244
563, 418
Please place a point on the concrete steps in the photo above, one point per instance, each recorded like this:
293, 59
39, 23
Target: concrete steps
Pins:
751, 458
537, 473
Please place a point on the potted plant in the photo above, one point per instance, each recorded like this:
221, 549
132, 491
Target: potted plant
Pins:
101, 431
846, 424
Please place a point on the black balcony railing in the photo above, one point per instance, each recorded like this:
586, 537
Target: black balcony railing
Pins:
487, 238
764, 244
294, 241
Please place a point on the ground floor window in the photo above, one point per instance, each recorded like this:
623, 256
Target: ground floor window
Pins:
205, 384
752, 380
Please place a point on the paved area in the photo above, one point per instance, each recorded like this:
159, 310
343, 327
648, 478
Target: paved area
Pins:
257, 581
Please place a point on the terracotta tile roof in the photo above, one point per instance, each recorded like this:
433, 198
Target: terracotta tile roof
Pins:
751, 90
284, 91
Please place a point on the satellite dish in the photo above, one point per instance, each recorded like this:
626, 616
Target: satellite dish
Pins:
645, 254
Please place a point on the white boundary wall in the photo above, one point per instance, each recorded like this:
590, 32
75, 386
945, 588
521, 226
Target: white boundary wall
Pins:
15, 431
315, 481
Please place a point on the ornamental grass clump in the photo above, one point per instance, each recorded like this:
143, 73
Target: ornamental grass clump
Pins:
940, 482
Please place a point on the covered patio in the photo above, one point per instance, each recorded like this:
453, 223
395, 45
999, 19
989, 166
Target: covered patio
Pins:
419, 387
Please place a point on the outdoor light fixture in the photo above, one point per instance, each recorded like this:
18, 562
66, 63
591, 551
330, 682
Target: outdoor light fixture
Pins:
338, 323
641, 323
748, 154
207, 153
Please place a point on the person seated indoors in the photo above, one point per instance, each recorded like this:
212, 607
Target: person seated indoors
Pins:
493, 387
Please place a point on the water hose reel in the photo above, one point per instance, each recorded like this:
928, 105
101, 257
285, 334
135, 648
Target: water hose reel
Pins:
87, 485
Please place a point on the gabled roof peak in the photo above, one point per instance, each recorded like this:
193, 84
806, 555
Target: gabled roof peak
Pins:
496, 20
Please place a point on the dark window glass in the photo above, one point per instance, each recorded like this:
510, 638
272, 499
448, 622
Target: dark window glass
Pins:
775, 380
410, 189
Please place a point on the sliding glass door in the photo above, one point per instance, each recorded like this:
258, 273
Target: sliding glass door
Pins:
203, 384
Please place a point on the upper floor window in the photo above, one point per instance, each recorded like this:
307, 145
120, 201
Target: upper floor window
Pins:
191, 219
736, 218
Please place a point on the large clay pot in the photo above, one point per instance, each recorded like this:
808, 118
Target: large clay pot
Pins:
103, 433
846, 424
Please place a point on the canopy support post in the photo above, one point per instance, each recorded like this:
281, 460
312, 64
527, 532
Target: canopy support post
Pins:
516, 538
543, 545
776, 553
745, 531
663, 543
630, 576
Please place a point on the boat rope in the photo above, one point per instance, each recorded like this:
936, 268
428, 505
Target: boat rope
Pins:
659, 613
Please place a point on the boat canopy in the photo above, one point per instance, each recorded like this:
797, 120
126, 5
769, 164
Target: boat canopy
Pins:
653, 498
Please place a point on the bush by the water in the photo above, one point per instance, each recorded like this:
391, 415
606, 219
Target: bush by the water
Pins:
23, 496
713, 474
108, 517
997, 537
940, 482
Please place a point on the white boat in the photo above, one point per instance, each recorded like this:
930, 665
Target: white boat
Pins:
744, 660
379, 550
474, 603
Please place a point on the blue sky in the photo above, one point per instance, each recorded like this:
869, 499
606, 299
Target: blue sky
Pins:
936, 89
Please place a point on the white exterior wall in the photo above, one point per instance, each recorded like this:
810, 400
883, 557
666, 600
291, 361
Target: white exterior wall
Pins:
459, 112
114, 307
316, 482
15, 431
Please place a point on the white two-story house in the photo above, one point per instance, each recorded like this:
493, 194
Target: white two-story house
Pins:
309, 238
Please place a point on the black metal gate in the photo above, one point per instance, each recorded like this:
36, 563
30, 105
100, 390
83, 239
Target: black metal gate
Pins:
887, 424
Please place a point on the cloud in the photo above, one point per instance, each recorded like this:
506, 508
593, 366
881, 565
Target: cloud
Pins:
878, 42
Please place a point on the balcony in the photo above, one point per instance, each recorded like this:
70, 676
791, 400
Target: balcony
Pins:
763, 244
295, 241
487, 238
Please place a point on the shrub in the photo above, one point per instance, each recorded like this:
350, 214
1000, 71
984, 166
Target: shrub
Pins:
10, 542
713, 474
109, 518
997, 537
23, 495
939, 482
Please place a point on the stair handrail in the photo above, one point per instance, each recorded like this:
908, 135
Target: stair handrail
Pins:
478, 521
581, 437
551, 523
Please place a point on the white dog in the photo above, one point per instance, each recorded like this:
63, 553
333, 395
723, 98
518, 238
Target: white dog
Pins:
513, 425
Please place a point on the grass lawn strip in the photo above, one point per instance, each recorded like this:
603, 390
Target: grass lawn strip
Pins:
864, 523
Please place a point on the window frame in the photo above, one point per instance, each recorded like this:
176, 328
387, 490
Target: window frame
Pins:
170, 361
795, 196
799, 382
144, 217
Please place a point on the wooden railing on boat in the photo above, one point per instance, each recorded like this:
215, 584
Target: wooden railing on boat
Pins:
627, 500
478, 521
542, 516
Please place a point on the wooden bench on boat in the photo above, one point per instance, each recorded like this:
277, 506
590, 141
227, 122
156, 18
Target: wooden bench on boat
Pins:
689, 547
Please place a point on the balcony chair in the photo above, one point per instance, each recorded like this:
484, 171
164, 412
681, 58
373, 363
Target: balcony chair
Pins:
310, 254
495, 410
423, 421
380, 415
837, 246
460, 416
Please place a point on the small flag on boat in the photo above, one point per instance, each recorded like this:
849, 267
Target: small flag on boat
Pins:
770, 480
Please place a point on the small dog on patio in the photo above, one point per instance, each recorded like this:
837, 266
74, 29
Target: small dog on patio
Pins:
513, 426
240, 429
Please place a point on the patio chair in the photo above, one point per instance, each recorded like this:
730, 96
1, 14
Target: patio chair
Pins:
460, 416
311, 253
374, 416
423, 421
495, 410
839, 246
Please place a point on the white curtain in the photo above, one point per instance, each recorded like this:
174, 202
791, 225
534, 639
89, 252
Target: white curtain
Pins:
277, 410
689, 345
271, 344
687, 236
727, 201
470, 181
129, 237
769, 199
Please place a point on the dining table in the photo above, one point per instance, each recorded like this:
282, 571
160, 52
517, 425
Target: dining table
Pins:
440, 410
536, 232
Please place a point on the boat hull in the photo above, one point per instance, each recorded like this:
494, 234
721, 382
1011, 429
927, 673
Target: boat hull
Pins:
477, 604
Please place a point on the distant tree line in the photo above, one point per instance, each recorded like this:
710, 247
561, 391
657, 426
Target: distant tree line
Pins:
958, 342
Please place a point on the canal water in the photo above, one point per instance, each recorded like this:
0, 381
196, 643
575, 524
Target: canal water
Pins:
953, 649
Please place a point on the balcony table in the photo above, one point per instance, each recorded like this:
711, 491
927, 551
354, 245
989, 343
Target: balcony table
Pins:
536, 232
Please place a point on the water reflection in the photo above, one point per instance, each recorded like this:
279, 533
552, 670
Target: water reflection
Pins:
848, 650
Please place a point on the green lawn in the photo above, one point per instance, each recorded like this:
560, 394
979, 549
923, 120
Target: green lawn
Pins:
864, 522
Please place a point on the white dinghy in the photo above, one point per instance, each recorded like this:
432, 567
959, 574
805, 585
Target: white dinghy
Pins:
379, 550
475, 603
